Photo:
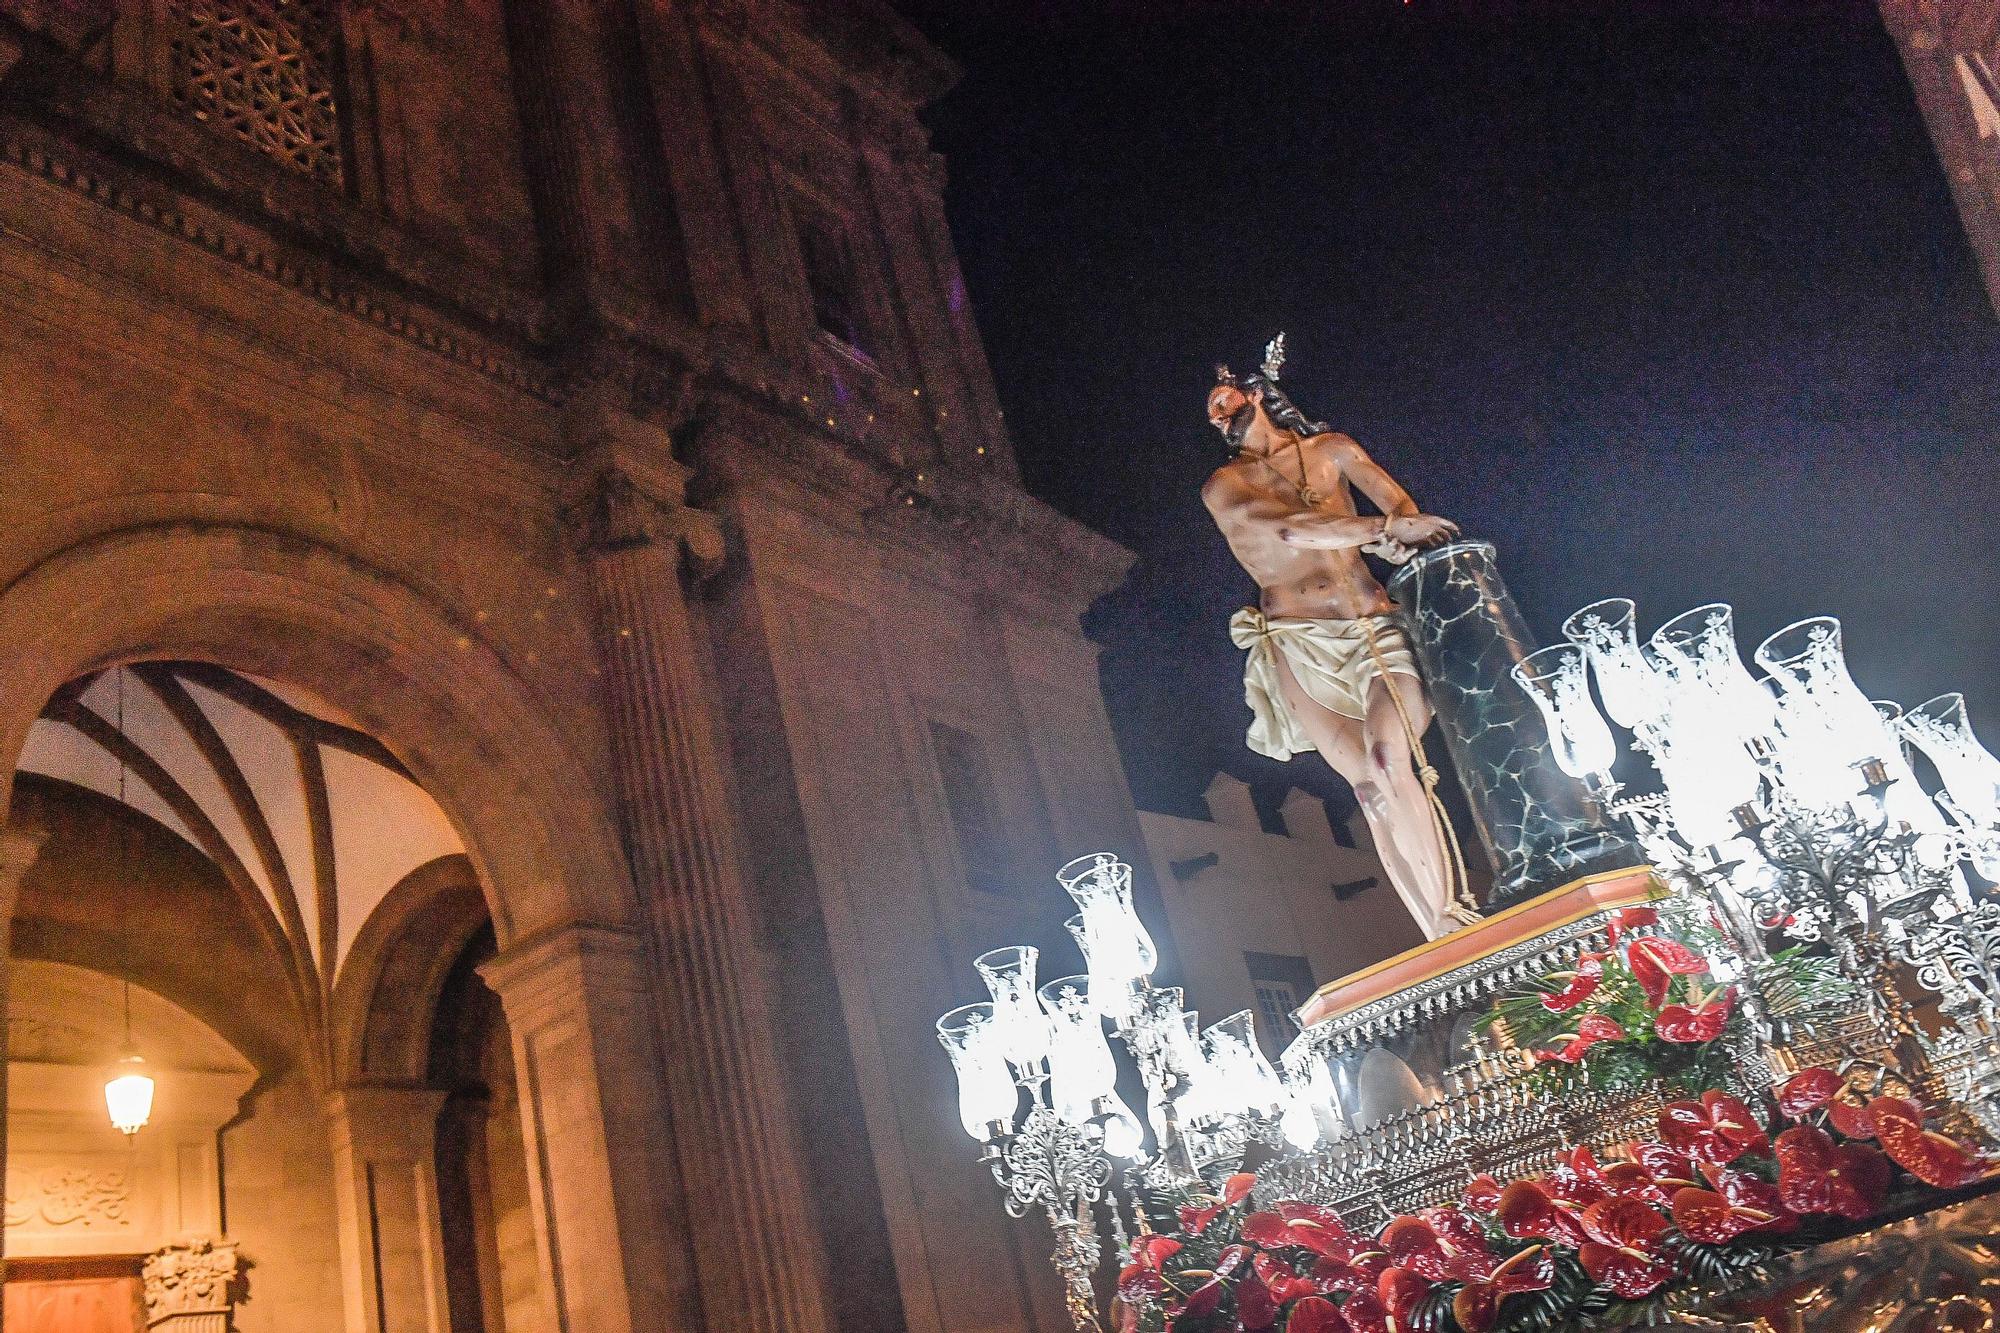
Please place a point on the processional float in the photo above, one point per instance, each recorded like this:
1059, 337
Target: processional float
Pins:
1722, 1052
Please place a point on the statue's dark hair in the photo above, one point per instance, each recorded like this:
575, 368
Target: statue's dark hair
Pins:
1278, 404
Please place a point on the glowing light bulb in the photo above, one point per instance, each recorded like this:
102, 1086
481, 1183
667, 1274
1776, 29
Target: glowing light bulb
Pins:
128, 1095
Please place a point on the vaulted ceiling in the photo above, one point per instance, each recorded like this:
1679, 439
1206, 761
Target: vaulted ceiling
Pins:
312, 820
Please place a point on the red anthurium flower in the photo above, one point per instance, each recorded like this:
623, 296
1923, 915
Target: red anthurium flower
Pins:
1860, 1122
1808, 1090
1679, 1023
1483, 1194
1477, 1305
1355, 1264
1195, 1218
1138, 1284
1281, 1279
1315, 1314
1593, 1029
1202, 1301
1583, 983
1256, 1308
1314, 1228
1631, 918
1268, 1230
1440, 1244
1577, 1179
1152, 1251
1627, 1247
1630, 1180
1528, 1211
1656, 960
1740, 1203
1666, 1166
1929, 1156
1817, 1176
1390, 1307
1718, 1129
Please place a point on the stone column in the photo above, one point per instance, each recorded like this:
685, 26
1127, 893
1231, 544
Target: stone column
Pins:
739, 1150
607, 1204
1539, 825
385, 1185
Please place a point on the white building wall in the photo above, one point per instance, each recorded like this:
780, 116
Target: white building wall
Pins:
1268, 894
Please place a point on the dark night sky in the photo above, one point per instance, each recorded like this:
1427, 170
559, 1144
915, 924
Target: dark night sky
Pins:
1671, 307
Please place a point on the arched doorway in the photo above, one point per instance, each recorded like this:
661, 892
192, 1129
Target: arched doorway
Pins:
290, 914
509, 764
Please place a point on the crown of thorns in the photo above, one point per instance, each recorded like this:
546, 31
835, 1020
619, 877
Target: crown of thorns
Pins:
1274, 361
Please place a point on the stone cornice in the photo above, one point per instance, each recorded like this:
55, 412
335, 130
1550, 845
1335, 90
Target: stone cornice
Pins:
489, 342
979, 527
866, 44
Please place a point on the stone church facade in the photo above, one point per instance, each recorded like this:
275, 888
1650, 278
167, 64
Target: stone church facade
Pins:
1951, 51
527, 670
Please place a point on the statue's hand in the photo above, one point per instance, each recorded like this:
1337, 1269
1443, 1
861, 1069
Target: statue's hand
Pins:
1391, 550
1420, 531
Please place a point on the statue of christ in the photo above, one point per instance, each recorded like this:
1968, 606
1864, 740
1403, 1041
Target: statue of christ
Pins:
1329, 667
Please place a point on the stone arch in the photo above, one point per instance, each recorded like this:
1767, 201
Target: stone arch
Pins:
386, 1002
448, 705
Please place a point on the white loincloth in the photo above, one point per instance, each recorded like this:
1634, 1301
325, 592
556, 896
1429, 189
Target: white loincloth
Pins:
1329, 658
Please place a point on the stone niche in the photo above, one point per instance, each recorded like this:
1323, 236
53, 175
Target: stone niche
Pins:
75, 1186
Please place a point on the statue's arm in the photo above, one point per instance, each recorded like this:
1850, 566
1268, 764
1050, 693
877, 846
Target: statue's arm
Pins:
1408, 525
1242, 508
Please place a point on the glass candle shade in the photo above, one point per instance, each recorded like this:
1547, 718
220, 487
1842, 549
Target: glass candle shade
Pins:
1242, 1079
1828, 728
986, 1093
1940, 728
1554, 678
1115, 944
1607, 632
1308, 1078
1695, 653
1195, 1102
1124, 1136
1018, 1020
1080, 1066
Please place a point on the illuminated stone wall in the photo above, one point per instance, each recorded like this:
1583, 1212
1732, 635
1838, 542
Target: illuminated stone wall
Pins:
581, 399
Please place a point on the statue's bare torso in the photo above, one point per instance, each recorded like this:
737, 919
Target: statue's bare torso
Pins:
1314, 582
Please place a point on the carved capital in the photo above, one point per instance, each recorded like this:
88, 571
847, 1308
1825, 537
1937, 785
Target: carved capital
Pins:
633, 490
190, 1288
621, 514
544, 978
385, 1124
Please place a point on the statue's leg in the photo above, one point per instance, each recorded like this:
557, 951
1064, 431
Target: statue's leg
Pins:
1391, 768
1343, 743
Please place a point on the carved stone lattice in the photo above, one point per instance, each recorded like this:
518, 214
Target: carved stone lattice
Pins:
263, 71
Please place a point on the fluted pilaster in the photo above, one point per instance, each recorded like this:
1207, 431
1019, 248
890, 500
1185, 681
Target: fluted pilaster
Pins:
739, 1151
